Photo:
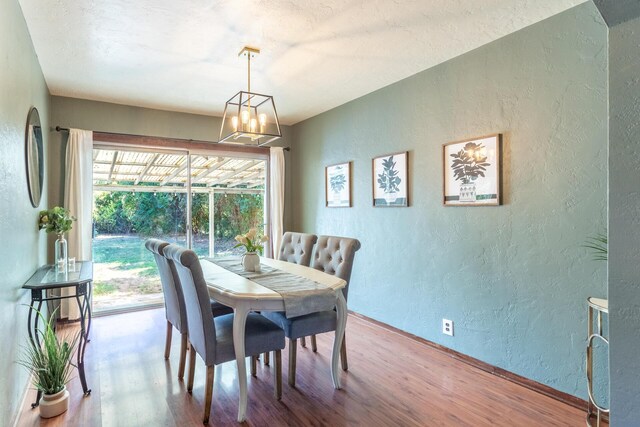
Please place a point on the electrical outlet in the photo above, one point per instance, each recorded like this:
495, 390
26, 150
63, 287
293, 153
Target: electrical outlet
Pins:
447, 327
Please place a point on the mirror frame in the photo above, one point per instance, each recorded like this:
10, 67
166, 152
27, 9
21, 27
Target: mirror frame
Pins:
33, 152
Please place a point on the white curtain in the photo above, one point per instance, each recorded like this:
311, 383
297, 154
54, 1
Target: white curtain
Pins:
78, 198
276, 195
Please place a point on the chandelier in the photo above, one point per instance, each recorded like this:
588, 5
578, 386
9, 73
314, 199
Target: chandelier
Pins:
250, 118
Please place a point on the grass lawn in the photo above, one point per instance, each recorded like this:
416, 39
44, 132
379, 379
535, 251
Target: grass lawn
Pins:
125, 272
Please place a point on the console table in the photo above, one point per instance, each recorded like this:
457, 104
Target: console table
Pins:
599, 306
46, 279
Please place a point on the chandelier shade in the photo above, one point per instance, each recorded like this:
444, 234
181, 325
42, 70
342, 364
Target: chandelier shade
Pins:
250, 118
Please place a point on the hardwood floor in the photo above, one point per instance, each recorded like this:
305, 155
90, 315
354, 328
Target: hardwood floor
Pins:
392, 381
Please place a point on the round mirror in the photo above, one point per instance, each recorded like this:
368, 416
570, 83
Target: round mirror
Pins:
34, 156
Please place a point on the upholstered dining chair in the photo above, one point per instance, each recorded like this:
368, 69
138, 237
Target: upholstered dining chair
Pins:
296, 248
175, 312
333, 255
212, 338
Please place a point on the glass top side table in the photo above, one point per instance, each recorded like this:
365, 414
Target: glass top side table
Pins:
46, 278
599, 306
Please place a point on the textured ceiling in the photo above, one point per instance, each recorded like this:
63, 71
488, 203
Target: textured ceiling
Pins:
316, 54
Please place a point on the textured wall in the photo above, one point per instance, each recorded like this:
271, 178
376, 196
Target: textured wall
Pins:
107, 117
514, 278
624, 221
21, 87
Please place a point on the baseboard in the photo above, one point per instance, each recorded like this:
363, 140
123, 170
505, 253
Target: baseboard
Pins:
13, 422
558, 395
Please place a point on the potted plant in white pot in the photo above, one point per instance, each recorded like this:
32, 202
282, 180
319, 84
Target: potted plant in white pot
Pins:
49, 362
253, 245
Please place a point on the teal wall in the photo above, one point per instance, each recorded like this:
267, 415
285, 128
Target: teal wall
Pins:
21, 87
513, 278
624, 221
108, 117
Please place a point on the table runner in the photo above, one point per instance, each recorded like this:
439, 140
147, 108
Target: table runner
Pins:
301, 295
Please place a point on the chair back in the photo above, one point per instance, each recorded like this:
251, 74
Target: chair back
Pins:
334, 255
297, 248
202, 331
173, 298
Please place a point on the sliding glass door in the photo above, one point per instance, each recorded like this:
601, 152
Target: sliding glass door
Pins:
197, 200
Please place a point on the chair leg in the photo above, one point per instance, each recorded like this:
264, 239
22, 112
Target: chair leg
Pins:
208, 394
167, 344
254, 363
277, 377
183, 356
292, 362
303, 341
266, 358
314, 345
343, 354
192, 367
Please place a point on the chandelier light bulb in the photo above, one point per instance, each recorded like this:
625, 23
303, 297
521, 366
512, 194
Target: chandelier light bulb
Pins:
234, 123
254, 124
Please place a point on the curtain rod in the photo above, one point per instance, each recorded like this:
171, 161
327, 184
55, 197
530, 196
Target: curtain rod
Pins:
61, 129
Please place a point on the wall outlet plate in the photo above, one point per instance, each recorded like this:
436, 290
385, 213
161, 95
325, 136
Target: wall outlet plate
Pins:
447, 327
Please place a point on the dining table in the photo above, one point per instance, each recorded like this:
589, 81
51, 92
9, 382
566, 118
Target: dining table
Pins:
245, 295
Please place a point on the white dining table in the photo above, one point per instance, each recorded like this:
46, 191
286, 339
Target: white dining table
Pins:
244, 295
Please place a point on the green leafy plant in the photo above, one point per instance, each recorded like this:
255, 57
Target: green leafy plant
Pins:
50, 363
250, 241
337, 183
56, 220
469, 163
598, 244
389, 180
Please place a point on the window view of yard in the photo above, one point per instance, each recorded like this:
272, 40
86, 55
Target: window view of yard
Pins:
125, 272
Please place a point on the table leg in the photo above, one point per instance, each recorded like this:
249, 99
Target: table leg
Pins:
341, 309
88, 301
239, 323
33, 337
82, 342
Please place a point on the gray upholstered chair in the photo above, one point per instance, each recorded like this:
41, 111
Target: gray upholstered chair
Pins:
212, 338
296, 248
174, 301
333, 255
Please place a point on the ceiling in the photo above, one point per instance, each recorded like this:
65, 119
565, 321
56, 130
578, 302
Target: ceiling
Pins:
316, 54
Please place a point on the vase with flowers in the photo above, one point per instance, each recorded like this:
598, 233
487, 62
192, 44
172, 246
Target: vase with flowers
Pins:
57, 220
253, 245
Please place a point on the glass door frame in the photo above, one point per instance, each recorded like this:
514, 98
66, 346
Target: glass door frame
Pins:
150, 144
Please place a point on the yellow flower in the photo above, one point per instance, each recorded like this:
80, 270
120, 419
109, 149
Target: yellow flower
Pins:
264, 239
44, 219
239, 238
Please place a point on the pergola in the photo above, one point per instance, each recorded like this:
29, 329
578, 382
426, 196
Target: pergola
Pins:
148, 171
117, 170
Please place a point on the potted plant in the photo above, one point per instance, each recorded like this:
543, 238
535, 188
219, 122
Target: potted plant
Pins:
468, 164
57, 220
253, 245
51, 367
337, 183
389, 180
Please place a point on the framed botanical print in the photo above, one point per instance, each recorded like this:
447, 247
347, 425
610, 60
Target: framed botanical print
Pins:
337, 184
472, 171
390, 180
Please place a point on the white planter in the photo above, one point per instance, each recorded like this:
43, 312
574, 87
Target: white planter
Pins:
390, 197
251, 261
53, 405
468, 192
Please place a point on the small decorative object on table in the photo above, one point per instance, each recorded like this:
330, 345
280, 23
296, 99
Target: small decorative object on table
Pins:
253, 246
50, 365
57, 220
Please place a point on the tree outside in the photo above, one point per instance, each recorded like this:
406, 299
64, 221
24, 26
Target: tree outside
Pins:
125, 272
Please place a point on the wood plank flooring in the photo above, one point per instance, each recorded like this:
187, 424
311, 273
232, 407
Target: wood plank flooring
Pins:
392, 381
